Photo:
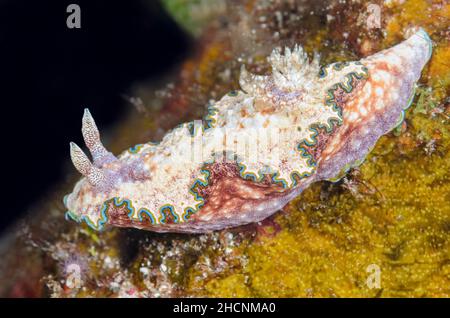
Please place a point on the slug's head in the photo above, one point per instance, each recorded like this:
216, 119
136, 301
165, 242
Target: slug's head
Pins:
86, 200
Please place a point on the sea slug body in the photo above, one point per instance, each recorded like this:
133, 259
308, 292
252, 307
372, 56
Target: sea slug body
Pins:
256, 149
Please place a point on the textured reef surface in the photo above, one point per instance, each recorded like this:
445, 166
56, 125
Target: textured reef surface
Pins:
391, 214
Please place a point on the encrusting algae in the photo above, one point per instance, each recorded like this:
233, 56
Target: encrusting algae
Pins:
391, 215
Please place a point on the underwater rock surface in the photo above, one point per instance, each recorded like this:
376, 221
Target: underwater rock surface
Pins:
392, 214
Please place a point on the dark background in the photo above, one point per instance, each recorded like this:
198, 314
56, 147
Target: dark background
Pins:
49, 73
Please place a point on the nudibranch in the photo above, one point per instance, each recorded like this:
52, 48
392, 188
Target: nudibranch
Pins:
256, 149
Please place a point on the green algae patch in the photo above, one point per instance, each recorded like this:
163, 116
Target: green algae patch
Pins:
232, 286
193, 15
